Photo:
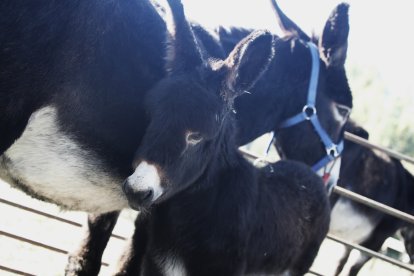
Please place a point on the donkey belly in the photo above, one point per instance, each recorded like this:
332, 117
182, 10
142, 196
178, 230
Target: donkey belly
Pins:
50, 165
350, 224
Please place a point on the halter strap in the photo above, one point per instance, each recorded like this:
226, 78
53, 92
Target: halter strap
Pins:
309, 113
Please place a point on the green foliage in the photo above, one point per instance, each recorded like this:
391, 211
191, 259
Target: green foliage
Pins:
384, 112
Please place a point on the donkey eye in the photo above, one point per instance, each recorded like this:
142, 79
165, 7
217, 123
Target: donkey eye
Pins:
193, 138
343, 110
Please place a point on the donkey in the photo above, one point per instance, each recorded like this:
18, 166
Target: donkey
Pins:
279, 93
209, 211
377, 176
283, 90
373, 227
72, 78
300, 93
90, 50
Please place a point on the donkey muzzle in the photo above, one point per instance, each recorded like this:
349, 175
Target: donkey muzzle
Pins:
138, 199
143, 187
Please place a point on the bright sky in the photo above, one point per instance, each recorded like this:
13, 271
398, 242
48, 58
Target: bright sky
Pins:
381, 32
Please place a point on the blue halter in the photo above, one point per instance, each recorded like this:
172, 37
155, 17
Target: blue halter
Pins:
309, 114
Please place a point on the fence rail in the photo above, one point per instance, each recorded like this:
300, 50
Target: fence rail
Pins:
51, 216
363, 142
33, 242
372, 253
374, 204
15, 271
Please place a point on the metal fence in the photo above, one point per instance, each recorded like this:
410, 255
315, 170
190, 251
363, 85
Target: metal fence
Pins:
340, 191
367, 201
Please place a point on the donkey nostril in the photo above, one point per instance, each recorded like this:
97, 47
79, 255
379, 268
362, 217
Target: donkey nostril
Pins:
143, 197
137, 198
146, 195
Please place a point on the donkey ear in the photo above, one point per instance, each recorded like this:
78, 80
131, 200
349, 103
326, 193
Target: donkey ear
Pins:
247, 62
286, 24
334, 41
183, 52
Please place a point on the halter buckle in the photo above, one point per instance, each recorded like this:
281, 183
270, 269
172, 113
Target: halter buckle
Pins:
332, 151
309, 111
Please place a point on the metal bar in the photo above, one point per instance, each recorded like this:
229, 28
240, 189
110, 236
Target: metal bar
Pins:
51, 216
363, 142
314, 273
374, 204
372, 253
15, 271
48, 215
39, 244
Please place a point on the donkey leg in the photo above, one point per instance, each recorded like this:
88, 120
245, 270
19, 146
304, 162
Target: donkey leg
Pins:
131, 261
343, 261
408, 235
374, 242
362, 260
87, 259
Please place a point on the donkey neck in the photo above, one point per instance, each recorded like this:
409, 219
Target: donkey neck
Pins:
221, 183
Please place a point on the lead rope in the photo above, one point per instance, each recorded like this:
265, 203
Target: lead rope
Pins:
327, 175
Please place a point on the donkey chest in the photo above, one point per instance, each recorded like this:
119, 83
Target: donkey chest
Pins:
348, 223
49, 164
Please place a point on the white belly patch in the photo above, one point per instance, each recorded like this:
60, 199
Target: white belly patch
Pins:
52, 165
348, 223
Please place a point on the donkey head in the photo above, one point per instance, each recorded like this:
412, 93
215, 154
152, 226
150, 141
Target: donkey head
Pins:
308, 77
191, 118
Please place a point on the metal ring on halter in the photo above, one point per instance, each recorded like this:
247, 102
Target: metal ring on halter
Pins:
311, 109
332, 151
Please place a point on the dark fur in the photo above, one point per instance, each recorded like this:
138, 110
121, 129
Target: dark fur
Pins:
218, 214
91, 59
361, 171
377, 177
78, 49
131, 261
248, 221
94, 60
88, 58
282, 91
87, 260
